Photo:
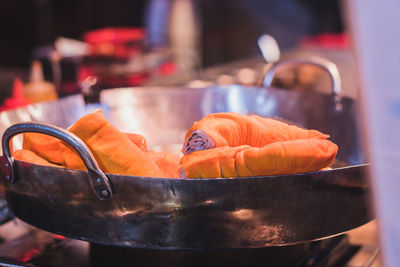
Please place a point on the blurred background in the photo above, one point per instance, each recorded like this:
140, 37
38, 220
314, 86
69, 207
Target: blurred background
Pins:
157, 42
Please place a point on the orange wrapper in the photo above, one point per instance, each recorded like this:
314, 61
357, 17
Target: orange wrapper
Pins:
167, 162
113, 150
235, 145
233, 129
29, 156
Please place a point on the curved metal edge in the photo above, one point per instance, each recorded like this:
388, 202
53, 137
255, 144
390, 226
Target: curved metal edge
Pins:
363, 167
323, 63
98, 180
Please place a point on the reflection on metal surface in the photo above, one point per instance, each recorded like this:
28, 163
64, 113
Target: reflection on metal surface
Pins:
208, 202
243, 214
199, 84
271, 235
225, 80
235, 100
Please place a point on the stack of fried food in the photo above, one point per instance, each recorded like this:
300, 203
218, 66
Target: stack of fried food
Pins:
115, 152
219, 145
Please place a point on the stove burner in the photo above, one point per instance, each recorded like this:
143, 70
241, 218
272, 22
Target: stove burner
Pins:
331, 252
273, 256
34, 247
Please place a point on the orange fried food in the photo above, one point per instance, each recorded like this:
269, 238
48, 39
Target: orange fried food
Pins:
116, 152
234, 129
235, 145
167, 162
113, 150
56, 151
29, 156
53, 150
287, 157
138, 140
212, 163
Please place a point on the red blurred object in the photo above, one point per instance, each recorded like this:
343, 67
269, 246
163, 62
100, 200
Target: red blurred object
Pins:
327, 41
119, 57
29, 255
114, 35
167, 68
137, 79
17, 99
69, 88
112, 81
84, 72
116, 42
59, 237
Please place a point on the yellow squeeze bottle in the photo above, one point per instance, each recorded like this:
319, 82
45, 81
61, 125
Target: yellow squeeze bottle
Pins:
38, 90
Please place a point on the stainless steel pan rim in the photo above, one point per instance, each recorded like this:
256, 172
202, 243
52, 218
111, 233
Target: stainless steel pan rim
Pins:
266, 177
199, 180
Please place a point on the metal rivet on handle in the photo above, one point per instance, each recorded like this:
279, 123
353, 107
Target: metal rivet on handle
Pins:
98, 181
104, 193
6, 165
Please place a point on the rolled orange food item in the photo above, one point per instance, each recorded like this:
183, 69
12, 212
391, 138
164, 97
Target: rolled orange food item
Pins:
286, 157
113, 150
212, 163
234, 129
31, 157
235, 145
167, 162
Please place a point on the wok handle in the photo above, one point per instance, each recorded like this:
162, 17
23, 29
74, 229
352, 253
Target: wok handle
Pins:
98, 180
320, 62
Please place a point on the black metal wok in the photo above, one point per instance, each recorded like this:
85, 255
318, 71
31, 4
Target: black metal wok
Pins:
200, 214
